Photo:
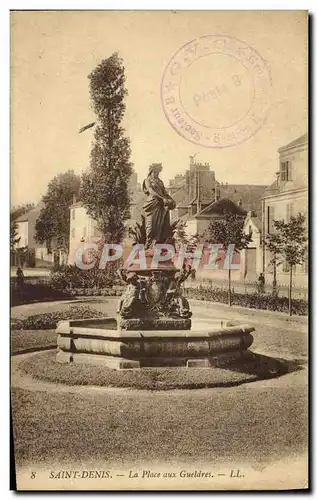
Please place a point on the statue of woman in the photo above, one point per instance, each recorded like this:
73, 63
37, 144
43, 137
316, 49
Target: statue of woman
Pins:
156, 207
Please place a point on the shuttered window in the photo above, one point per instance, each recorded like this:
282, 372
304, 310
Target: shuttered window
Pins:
286, 171
289, 211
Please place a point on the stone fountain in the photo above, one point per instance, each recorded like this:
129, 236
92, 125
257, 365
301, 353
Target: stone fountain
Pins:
153, 326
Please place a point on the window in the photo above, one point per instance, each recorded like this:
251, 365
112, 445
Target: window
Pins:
285, 171
73, 232
305, 265
96, 232
49, 247
270, 219
73, 214
289, 211
286, 267
84, 232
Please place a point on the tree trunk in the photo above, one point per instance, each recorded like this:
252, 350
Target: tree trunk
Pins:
230, 296
290, 291
274, 278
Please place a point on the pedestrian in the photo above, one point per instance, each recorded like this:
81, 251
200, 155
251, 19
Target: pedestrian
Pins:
20, 277
261, 283
20, 282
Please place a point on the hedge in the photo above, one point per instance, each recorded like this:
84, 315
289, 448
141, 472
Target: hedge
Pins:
250, 300
35, 293
115, 291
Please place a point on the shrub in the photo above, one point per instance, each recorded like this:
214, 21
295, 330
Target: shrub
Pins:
251, 300
49, 320
70, 277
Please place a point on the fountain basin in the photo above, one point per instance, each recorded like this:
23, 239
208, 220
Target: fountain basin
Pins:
101, 341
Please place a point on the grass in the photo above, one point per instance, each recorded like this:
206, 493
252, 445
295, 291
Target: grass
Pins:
29, 340
253, 424
49, 320
44, 367
107, 305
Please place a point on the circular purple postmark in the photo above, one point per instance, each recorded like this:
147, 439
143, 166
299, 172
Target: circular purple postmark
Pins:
215, 91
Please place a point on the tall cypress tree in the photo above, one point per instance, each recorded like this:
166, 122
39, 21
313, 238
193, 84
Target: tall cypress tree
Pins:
104, 188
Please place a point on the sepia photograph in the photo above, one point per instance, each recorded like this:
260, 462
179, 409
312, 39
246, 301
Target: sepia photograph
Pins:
159, 239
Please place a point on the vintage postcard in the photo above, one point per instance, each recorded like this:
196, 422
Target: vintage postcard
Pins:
159, 250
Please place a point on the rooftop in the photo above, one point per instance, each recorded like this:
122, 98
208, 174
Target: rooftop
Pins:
31, 214
220, 206
300, 141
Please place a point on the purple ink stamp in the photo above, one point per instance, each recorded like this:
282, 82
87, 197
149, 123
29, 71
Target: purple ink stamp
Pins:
216, 91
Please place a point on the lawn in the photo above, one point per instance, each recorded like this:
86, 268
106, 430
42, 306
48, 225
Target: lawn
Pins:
44, 367
31, 340
248, 424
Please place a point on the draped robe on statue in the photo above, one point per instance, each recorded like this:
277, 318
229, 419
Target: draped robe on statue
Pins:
156, 211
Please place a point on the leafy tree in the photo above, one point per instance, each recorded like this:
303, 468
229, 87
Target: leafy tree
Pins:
228, 231
104, 190
184, 242
14, 234
272, 242
53, 224
181, 236
289, 241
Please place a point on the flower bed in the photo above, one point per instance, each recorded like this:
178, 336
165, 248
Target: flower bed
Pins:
49, 320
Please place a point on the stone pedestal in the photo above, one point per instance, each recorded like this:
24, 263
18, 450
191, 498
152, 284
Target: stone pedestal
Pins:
101, 342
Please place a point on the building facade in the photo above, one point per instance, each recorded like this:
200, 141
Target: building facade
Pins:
83, 229
201, 198
196, 190
287, 196
39, 255
193, 191
252, 256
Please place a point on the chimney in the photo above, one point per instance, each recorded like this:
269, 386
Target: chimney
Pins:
277, 178
198, 191
74, 199
216, 192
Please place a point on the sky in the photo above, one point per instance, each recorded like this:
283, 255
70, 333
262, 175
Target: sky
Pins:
52, 54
